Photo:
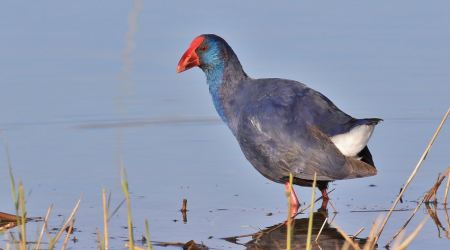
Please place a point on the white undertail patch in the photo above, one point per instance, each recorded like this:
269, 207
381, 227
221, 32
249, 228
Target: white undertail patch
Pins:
352, 142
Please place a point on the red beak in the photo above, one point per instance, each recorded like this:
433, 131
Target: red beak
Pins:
190, 59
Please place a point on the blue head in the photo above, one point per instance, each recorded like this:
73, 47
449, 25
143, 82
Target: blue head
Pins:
210, 53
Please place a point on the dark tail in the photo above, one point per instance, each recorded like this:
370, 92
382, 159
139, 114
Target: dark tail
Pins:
366, 156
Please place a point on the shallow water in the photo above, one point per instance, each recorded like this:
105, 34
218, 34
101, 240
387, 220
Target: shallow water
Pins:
72, 108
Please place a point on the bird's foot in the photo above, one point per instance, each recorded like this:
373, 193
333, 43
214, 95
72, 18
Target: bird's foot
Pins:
324, 204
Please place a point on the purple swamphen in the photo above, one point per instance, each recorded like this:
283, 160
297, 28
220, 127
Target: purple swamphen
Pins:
283, 126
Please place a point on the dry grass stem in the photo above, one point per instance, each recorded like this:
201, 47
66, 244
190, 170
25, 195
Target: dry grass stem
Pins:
357, 233
52, 244
399, 240
433, 190
98, 239
311, 214
446, 190
406, 223
370, 243
346, 246
289, 219
68, 234
134, 247
412, 175
22, 218
184, 207
320, 231
334, 209
13, 241
447, 220
350, 241
44, 226
105, 220
412, 236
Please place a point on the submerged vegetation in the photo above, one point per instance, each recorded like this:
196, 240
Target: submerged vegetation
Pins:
320, 229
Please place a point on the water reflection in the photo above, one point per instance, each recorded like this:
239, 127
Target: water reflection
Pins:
8, 221
432, 211
274, 237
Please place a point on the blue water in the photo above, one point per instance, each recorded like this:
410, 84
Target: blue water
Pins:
76, 99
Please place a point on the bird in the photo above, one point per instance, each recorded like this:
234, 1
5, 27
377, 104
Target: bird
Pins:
283, 126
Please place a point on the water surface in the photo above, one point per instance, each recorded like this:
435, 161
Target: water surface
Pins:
77, 98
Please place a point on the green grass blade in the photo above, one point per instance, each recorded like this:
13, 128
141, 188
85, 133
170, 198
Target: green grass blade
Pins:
147, 235
127, 197
311, 213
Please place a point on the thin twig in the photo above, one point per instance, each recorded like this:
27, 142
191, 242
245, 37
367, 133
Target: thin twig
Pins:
412, 175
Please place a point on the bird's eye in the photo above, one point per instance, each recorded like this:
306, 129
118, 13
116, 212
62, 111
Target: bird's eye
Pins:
203, 48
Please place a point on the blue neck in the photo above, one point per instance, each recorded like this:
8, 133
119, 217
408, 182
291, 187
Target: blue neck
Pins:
214, 80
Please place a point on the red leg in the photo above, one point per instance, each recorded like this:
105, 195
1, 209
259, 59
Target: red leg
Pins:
294, 200
324, 199
324, 194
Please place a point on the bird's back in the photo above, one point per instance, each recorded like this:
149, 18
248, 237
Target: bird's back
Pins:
284, 126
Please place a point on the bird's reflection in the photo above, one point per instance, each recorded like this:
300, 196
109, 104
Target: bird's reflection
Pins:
274, 237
